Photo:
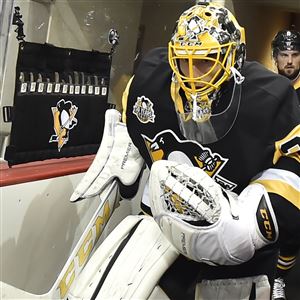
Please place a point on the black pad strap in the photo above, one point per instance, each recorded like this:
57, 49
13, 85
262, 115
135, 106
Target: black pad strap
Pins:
114, 258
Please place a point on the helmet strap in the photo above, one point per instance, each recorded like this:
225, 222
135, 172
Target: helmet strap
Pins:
237, 76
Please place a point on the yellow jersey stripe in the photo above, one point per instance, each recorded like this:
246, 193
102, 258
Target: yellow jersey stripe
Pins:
297, 84
281, 175
293, 151
285, 268
281, 188
125, 99
287, 258
174, 89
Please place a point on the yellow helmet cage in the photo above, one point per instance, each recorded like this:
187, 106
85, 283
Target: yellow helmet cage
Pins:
206, 32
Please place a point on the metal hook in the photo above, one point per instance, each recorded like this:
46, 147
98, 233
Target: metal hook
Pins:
19, 23
113, 39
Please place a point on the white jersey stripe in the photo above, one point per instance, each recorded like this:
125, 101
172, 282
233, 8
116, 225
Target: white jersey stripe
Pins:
281, 175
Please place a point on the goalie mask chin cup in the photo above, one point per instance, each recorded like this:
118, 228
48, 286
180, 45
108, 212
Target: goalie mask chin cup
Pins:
219, 124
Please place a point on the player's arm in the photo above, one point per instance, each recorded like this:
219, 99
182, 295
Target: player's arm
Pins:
282, 183
205, 222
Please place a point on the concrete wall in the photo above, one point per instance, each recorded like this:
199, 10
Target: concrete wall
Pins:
36, 19
85, 25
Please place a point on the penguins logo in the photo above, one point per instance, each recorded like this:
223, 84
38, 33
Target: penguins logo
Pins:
143, 109
167, 145
63, 121
195, 27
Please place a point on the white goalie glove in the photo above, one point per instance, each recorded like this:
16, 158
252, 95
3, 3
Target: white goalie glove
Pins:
117, 157
206, 223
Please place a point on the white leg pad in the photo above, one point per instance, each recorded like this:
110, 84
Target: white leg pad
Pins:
138, 267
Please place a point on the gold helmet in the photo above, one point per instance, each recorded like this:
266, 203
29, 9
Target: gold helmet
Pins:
207, 32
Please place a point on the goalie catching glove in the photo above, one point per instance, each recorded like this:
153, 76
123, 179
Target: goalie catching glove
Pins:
117, 157
206, 223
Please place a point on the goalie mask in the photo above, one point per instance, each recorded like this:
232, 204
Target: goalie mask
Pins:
206, 50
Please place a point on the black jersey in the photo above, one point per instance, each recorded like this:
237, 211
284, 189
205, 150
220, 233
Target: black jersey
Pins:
296, 85
263, 145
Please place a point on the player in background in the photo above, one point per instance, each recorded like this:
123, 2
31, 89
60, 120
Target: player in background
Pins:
286, 55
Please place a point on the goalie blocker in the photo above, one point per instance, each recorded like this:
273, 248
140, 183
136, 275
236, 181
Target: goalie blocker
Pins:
205, 223
117, 158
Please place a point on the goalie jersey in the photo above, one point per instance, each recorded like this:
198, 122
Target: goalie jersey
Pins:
263, 144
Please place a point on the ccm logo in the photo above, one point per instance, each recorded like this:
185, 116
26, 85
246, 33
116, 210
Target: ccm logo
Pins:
266, 223
84, 251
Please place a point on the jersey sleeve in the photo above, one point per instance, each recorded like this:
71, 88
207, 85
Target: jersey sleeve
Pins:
149, 63
282, 180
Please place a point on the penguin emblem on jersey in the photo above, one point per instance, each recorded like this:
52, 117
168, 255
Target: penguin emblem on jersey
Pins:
166, 145
143, 109
63, 121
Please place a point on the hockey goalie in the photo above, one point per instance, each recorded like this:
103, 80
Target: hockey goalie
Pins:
220, 136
